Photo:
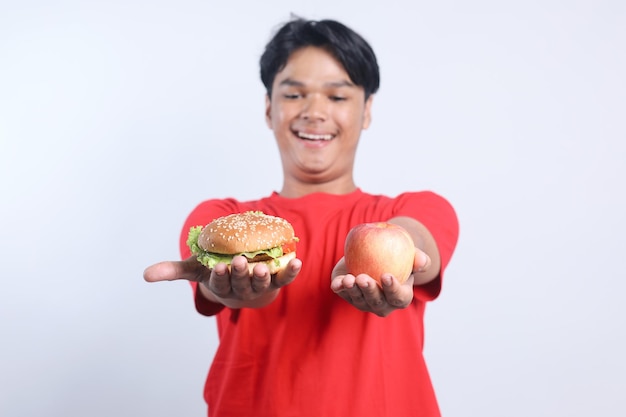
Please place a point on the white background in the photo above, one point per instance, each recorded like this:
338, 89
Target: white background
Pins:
118, 117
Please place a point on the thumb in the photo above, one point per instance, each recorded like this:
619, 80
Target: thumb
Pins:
189, 269
421, 262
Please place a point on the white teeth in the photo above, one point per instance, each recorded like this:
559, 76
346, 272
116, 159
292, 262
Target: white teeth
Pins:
314, 137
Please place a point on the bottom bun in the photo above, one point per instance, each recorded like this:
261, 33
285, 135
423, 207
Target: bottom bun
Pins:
274, 265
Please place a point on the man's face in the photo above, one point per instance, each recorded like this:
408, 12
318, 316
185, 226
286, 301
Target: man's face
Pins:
317, 115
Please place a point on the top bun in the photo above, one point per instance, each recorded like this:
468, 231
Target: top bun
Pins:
245, 232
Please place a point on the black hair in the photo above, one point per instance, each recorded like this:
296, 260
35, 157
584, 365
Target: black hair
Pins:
348, 47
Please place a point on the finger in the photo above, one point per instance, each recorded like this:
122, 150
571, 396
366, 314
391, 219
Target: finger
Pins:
355, 292
240, 277
239, 267
219, 283
341, 283
287, 274
261, 278
373, 295
396, 294
189, 269
336, 284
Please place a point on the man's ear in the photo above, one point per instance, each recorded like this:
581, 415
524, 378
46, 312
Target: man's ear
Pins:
367, 112
268, 111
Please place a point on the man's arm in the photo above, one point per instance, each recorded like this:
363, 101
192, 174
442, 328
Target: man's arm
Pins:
234, 287
424, 270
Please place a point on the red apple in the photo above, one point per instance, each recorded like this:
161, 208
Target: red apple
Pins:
378, 248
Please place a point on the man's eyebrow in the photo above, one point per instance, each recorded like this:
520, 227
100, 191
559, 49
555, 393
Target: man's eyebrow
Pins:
291, 83
333, 84
337, 84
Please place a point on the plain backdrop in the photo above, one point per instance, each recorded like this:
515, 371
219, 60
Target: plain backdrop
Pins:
118, 117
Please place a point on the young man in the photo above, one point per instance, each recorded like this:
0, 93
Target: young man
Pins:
327, 343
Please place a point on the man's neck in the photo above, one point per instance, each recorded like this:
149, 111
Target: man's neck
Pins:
295, 189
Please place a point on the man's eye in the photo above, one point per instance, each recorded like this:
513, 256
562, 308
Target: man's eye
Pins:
291, 96
337, 98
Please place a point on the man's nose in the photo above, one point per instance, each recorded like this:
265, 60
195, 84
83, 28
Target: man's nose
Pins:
315, 108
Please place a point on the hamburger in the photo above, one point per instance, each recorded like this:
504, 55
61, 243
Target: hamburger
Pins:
257, 236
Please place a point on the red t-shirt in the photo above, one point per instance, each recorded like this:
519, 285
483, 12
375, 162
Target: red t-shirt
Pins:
310, 353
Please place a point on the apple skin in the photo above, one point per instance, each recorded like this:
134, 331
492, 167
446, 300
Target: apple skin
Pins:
378, 248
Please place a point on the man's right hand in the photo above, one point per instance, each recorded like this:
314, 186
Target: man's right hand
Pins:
233, 286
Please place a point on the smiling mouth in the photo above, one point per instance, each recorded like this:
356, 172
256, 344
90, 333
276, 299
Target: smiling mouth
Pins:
311, 136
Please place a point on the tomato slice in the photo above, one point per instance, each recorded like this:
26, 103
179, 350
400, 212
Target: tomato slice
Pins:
289, 247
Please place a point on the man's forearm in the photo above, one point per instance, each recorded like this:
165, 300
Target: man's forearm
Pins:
424, 241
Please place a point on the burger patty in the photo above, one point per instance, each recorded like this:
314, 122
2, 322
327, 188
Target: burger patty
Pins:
261, 257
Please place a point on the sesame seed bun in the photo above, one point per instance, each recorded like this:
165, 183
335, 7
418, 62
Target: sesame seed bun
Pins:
245, 232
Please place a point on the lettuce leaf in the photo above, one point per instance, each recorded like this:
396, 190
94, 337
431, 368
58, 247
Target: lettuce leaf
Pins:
192, 239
